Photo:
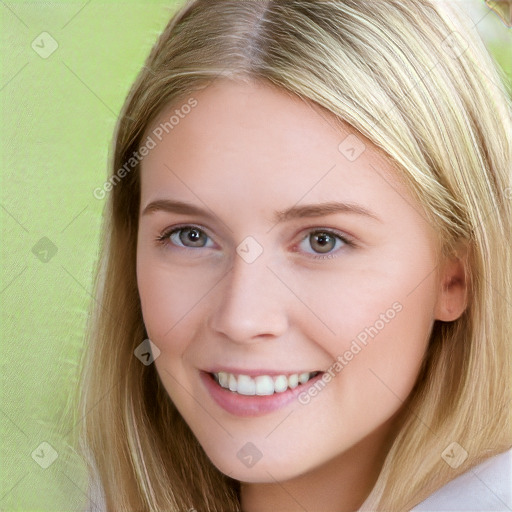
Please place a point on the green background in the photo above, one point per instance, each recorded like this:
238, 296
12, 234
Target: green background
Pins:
58, 115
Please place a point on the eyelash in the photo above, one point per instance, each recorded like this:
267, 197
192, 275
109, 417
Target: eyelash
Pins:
163, 239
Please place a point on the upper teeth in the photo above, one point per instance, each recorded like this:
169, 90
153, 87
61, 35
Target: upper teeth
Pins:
262, 384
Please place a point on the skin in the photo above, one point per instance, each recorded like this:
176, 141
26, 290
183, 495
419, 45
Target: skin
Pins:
245, 151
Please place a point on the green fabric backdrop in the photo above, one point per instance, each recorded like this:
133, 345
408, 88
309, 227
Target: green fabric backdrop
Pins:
66, 68
58, 114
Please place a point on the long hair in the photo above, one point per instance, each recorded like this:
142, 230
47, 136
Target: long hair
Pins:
413, 78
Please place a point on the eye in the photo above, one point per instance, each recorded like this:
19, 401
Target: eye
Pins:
324, 243
188, 237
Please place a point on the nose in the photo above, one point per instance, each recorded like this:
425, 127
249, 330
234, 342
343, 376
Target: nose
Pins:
251, 304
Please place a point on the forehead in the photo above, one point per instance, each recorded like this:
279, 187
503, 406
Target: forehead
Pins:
254, 143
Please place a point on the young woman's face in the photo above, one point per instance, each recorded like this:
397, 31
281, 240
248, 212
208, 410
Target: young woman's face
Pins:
288, 246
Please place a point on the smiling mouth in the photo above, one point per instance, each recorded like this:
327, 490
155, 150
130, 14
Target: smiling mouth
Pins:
262, 384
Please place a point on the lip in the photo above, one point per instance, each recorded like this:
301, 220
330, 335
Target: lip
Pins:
252, 405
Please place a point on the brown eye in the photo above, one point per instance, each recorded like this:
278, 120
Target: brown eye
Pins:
322, 242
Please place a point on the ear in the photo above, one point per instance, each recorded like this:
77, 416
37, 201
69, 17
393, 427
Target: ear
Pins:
453, 291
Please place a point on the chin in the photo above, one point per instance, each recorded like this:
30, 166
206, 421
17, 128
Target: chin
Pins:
263, 471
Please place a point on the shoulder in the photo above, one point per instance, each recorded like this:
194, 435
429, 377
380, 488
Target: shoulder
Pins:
485, 487
95, 495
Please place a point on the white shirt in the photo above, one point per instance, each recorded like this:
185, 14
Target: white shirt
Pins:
484, 488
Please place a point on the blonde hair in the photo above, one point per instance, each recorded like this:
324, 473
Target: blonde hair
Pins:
413, 78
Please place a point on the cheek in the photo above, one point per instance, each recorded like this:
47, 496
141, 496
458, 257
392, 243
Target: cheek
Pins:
379, 323
168, 296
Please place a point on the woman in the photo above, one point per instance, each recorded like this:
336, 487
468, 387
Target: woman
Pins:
303, 301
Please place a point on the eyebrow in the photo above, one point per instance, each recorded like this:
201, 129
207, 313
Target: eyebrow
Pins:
280, 216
